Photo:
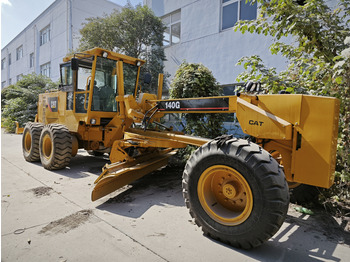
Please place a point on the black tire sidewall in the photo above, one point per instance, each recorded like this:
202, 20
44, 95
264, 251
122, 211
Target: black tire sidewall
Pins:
27, 154
61, 142
47, 162
34, 130
250, 224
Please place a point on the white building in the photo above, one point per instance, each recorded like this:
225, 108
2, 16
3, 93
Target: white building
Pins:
41, 46
200, 31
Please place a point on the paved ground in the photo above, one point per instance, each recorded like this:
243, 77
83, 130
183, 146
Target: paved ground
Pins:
48, 216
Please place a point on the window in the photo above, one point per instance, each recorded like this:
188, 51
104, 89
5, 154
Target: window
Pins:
234, 10
10, 81
45, 35
31, 60
172, 34
3, 62
19, 52
45, 69
66, 74
3, 84
105, 86
19, 77
10, 59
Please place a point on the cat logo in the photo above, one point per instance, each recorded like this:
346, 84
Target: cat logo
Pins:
255, 123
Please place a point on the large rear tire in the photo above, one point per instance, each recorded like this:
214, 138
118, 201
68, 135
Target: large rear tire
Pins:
55, 146
30, 141
236, 192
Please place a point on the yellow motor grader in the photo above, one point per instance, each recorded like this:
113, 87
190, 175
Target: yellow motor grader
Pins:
236, 190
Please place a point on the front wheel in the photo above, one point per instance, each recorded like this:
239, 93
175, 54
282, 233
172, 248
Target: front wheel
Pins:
55, 146
236, 192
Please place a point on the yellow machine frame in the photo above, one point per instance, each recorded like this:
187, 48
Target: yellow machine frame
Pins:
301, 129
235, 189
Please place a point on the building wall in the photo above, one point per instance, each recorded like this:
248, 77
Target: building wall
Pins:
65, 18
202, 40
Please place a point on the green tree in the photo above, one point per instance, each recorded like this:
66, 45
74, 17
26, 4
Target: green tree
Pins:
19, 101
135, 31
195, 80
319, 58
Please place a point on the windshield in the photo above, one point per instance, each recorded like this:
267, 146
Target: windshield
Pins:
66, 75
130, 77
105, 86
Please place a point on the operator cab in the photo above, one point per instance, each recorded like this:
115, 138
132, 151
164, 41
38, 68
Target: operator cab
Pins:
94, 76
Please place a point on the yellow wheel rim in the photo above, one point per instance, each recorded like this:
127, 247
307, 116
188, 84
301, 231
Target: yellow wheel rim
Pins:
27, 142
47, 146
225, 195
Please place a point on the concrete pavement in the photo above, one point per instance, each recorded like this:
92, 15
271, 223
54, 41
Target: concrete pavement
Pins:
48, 216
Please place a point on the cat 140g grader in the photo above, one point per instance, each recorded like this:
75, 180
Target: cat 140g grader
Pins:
236, 190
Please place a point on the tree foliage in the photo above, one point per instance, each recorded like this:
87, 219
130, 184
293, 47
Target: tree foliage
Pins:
195, 80
135, 31
318, 55
19, 101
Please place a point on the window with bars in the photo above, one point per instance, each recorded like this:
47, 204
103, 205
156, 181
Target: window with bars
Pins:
172, 34
234, 10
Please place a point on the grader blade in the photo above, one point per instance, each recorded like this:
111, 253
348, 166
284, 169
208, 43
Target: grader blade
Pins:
117, 175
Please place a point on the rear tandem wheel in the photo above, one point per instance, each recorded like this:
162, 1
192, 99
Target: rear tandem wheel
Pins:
55, 146
236, 192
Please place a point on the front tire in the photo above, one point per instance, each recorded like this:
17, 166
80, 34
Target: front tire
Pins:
236, 192
30, 141
55, 146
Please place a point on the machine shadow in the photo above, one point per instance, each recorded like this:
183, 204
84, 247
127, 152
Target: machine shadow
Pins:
83, 165
161, 187
301, 238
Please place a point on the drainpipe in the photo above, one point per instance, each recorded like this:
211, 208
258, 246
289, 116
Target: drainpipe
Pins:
70, 26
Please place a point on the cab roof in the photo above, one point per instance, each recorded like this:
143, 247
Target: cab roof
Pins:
110, 55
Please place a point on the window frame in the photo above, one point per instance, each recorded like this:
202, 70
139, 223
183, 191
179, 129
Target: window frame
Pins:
170, 26
224, 3
45, 35
3, 63
44, 68
19, 52
19, 77
31, 60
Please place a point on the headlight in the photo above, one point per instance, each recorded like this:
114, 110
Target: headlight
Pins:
92, 121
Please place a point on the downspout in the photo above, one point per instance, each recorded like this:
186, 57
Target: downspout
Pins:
37, 50
70, 26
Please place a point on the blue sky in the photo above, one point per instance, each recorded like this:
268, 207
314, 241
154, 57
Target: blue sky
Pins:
17, 14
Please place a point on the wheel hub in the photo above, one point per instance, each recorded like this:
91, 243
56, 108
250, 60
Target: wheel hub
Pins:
229, 191
47, 146
225, 195
27, 142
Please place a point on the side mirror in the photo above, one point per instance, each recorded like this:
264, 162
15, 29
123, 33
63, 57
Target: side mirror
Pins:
147, 78
74, 64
